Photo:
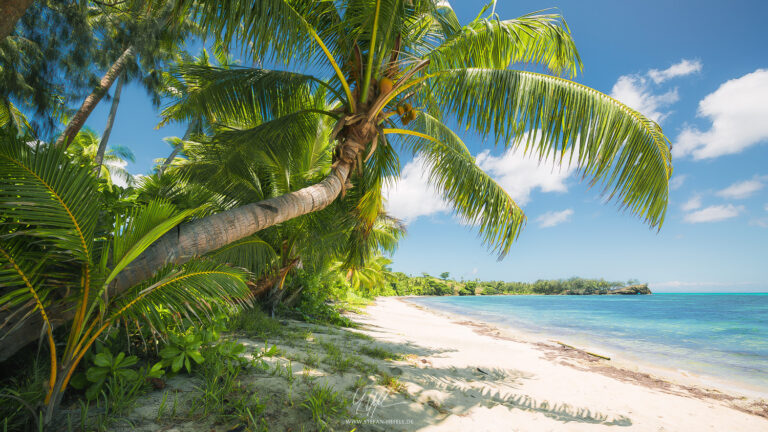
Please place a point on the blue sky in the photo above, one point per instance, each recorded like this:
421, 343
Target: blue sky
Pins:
698, 67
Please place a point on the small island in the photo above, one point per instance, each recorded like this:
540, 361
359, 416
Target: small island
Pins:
427, 285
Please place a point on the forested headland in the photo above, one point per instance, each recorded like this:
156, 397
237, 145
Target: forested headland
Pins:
425, 285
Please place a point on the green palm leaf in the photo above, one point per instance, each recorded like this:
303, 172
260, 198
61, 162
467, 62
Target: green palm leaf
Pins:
252, 253
194, 290
475, 197
490, 43
610, 142
46, 196
139, 228
246, 96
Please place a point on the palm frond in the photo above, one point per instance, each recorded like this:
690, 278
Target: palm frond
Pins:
252, 253
194, 290
490, 43
46, 196
240, 95
139, 228
475, 197
610, 142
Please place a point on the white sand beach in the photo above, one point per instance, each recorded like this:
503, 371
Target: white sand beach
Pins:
408, 368
469, 377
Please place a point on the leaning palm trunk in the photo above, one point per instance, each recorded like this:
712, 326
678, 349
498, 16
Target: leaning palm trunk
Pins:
110, 122
93, 99
197, 238
10, 13
218, 230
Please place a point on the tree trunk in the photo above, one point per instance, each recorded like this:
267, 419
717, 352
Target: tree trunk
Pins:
110, 122
204, 235
197, 238
10, 13
90, 102
176, 149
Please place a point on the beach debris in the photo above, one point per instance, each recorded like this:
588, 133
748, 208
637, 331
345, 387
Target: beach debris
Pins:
437, 407
583, 351
482, 371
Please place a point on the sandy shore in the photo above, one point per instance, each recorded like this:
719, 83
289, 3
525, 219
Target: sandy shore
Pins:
407, 368
475, 378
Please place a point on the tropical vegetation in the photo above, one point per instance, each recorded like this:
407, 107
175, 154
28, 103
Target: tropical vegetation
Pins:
273, 198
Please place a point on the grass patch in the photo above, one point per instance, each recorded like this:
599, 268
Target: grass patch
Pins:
254, 322
391, 382
379, 353
324, 403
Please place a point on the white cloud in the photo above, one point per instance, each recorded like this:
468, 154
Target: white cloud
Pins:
120, 176
634, 91
685, 67
638, 91
521, 174
692, 204
741, 190
411, 196
677, 181
738, 111
552, 218
714, 213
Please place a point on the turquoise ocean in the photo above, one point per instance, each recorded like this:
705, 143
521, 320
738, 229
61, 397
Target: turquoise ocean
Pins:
723, 336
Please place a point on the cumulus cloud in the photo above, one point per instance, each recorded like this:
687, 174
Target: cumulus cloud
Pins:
638, 90
685, 67
741, 190
737, 111
552, 218
120, 176
677, 181
692, 204
521, 174
714, 213
411, 196
634, 91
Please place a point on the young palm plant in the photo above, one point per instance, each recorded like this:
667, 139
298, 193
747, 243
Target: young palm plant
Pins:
411, 60
59, 258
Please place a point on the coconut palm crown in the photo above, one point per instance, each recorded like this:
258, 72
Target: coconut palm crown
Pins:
397, 70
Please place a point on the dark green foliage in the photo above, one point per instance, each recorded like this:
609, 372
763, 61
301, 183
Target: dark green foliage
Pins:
429, 286
48, 59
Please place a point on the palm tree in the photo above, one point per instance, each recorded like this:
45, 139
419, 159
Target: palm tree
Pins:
384, 57
231, 173
138, 38
85, 148
59, 253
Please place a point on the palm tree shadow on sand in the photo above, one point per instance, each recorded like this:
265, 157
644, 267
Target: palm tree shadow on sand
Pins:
435, 394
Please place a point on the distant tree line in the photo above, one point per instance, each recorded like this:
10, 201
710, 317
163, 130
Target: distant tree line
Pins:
426, 285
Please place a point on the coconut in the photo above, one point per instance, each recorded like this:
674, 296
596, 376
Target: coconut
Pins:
408, 107
400, 110
385, 85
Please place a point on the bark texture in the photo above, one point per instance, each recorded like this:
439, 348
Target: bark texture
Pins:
197, 238
110, 122
90, 102
10, 13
